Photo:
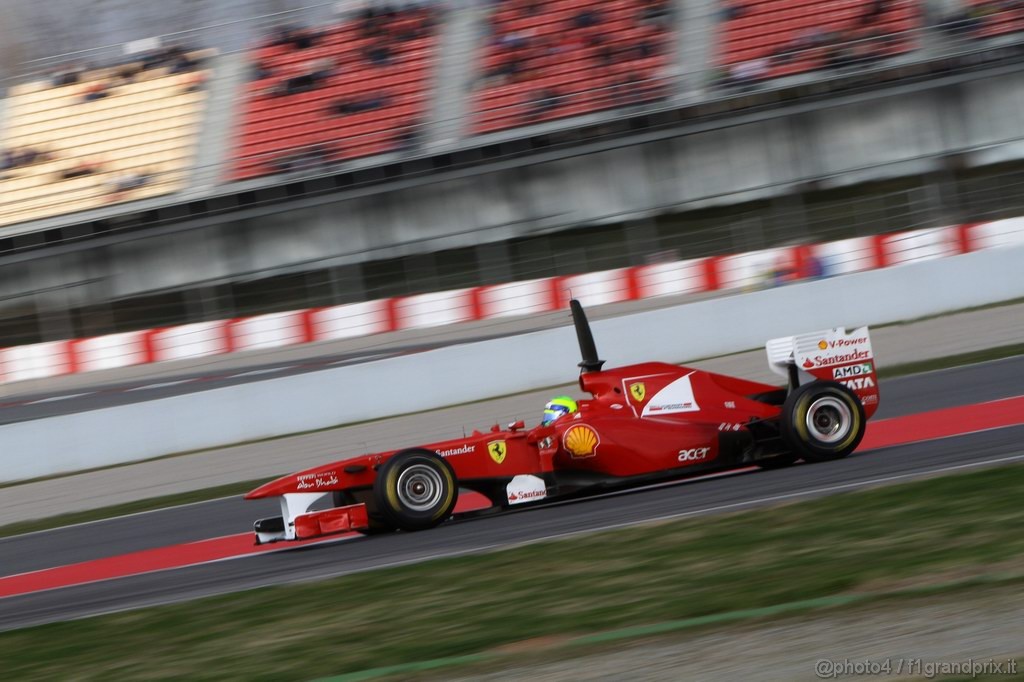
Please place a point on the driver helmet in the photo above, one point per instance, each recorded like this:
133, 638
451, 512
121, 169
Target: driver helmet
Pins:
557, 408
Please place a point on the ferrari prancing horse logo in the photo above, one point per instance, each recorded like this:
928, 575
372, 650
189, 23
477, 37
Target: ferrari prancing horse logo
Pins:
497, 450
638, 391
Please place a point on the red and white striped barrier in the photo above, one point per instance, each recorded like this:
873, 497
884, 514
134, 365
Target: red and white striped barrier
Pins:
191, 341
275, 330
351, 320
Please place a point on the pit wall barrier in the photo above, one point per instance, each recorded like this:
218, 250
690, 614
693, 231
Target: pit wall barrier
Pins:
721, 273
496, 367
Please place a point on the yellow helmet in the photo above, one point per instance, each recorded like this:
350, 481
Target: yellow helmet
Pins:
557, 408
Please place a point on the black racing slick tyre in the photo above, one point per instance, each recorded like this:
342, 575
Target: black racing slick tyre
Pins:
415, 490
822, 421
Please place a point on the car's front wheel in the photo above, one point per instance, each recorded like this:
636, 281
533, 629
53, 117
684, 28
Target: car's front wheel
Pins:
822, 420
415, 490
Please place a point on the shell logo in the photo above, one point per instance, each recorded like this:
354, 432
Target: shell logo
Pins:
581, 441
822, 344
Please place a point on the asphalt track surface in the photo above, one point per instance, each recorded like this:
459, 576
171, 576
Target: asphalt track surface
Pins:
914, 394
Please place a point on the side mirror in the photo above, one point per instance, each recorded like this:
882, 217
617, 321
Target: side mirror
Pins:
516, 425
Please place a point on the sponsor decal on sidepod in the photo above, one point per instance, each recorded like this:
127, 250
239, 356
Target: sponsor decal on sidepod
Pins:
322, 480
858, 384
694, 454
461, 450
852, 371
525, 488
581, 441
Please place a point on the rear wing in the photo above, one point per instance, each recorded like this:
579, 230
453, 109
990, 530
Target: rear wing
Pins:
831, 355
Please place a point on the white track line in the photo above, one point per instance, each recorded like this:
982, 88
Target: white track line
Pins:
55, 398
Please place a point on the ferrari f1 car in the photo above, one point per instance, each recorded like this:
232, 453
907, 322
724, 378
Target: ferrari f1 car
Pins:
643, 423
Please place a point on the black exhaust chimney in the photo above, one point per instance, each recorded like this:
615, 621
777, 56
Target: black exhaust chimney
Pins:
588, 350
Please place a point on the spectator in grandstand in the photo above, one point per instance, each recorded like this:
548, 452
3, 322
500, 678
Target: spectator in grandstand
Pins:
543, 102
749, 73
303, 159
96, 91
378, 53
66, 76
125, 183
196, 82
656, 13
260, 70
874, 11
732, 10
127, 73
409, 137
962, 23
81, 169
314, 75
294, 36
183, 63
586, 18
359, 104
25, 156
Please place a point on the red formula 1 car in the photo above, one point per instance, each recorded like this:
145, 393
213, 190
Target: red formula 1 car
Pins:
644, 422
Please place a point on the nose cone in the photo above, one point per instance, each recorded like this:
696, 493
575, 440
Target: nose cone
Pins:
274, 488
318, 479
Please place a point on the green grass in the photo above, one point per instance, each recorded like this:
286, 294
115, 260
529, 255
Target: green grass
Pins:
149, 504
869, 541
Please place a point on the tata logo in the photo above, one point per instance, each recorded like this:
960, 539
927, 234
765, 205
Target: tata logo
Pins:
859, 384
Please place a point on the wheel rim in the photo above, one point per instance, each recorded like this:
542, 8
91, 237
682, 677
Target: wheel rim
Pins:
420, 487
829, 419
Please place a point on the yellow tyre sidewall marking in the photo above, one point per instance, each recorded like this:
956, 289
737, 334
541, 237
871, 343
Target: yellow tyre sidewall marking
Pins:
392, 488
451, 491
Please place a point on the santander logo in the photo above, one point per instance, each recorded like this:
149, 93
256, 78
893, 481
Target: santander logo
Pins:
807, 363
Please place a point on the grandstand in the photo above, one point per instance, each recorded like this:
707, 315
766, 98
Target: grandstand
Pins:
317, 96
87, 139
312, 167
774, 38
547, 60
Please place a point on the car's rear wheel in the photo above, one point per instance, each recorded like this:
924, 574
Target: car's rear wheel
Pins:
822, 420
415, 490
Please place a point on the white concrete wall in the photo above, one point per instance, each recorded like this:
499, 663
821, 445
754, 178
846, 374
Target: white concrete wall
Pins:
486, 369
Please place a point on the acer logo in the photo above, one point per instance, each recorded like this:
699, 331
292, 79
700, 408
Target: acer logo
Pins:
693, 454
